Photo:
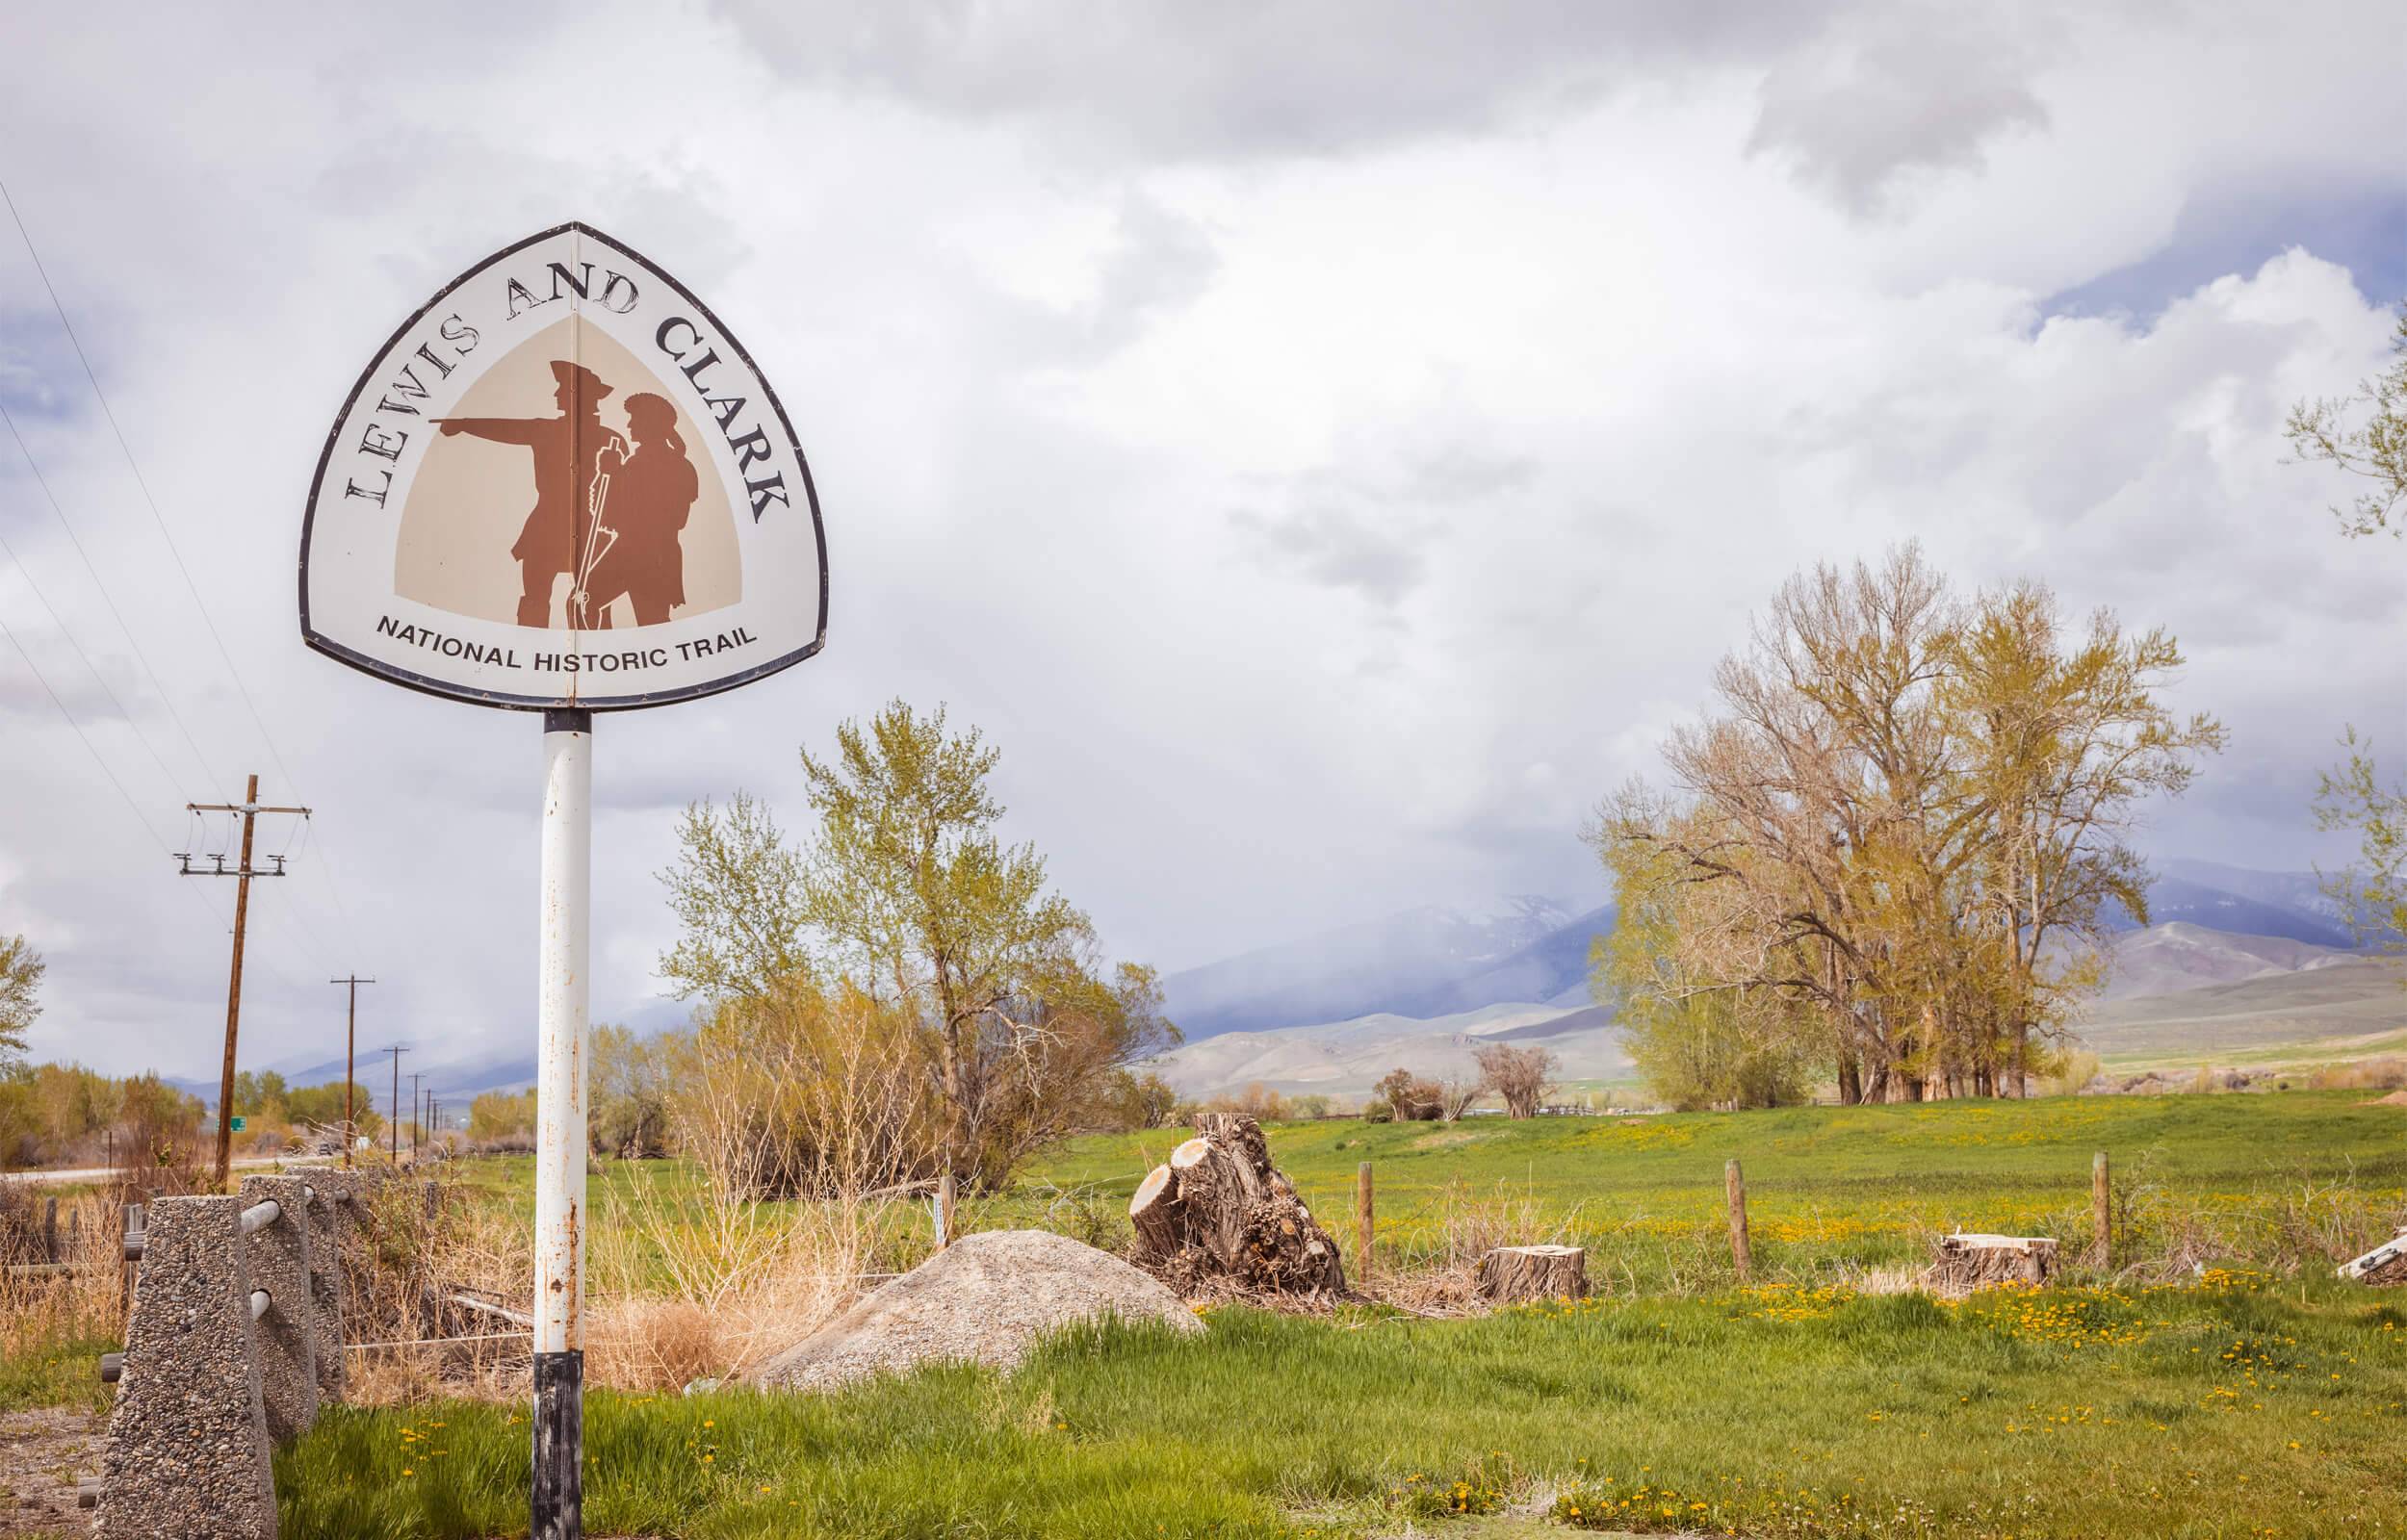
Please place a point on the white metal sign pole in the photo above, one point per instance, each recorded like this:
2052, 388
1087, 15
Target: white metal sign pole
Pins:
558, 1496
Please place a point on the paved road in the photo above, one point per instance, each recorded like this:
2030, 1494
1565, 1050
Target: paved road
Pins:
102, 1173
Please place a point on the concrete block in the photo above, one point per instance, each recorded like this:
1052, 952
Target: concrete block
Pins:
188, 1454
350, 1239
286, 1340
333, 1234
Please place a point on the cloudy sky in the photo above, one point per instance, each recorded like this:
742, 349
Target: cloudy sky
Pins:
1324, 446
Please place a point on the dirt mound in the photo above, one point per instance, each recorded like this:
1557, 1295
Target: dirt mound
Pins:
2396, 1099
985, 1299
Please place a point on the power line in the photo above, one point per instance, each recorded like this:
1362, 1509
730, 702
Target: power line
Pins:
131, 805
60, 513
157, 521
98, 678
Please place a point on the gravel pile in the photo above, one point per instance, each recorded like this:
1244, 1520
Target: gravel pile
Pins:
984, 1299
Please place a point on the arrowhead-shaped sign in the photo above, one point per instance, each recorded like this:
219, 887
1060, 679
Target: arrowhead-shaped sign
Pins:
563, 484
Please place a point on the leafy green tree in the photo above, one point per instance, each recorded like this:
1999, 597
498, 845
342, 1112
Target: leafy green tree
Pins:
629, 1092
907, 894
500, 1114
1698, 1039
260, 1094
22, 968
738, 891
922, 904
322, 1106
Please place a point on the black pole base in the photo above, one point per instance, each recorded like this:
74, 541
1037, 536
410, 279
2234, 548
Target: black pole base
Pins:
559, 1474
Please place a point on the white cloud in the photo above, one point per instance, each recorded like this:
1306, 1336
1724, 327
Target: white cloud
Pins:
1280, 469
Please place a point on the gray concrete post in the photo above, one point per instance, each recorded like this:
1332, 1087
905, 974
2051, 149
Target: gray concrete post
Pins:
285, 1342
348, 1268
187, 1455
333, 1232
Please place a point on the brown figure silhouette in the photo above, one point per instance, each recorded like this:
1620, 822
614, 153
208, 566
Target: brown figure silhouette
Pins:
651, 491
559, 533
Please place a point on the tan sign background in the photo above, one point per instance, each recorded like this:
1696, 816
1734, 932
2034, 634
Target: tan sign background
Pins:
472, 496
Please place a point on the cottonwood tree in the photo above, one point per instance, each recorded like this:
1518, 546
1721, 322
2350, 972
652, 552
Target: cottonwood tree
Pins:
1895, 844
22, 968
2059, 747
1520, 1076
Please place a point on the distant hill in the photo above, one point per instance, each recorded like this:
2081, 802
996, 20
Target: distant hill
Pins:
2332, 1000
1447, 960
2186, 898
2171, 958
1344, 1057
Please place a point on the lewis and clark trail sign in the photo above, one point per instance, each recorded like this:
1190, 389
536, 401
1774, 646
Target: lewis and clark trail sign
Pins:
563, 486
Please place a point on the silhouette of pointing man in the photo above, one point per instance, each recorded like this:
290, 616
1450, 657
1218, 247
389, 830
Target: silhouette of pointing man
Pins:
567, 452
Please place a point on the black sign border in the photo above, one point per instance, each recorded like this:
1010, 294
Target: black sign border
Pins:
501, 700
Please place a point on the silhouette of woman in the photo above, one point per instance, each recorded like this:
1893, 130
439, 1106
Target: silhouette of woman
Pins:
652, 493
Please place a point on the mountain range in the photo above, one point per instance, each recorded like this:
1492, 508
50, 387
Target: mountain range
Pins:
2240, 955
1426, 985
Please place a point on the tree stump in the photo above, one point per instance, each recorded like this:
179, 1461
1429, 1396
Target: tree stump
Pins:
1511, 1273
1218, 1216
2382, 1266
1969, 1261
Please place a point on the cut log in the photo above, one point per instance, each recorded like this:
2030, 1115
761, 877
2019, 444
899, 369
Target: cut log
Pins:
1969, 1261
2385, 1266
1155, 1212
1218, 1217
1511, 1273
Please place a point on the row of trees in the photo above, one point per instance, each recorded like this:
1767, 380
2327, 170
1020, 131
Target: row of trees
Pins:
1519, 1077
54, 1115
1890, 853
899, 995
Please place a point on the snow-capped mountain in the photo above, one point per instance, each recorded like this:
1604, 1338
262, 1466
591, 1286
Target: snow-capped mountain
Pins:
1416, 963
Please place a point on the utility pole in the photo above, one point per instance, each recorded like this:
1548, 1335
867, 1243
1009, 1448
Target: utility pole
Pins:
396, 1052
350, 1036
250, 809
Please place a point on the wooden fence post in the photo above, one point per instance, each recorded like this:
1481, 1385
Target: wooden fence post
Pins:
50, 1229
1362, 1222
1742, 1256
2102, 1206
944, 1211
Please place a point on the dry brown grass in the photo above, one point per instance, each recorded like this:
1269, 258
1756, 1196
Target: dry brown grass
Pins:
86, 1300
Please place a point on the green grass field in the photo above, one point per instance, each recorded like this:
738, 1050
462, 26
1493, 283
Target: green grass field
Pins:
2261, 1397
2228, 1409
1830, 1188
2243, 1178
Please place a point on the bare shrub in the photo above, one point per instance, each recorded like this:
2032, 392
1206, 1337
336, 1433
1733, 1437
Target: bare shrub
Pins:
1257, 1101
1519, 1075
1414, 1099
1431, 1269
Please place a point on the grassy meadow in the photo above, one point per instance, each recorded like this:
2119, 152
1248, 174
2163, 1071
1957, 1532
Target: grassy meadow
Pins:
2215, 1380
2233, 1406
1833, 1193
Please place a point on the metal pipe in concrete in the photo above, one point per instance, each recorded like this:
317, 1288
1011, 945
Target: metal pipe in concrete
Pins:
561, 1001
562, 998
259, 1215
